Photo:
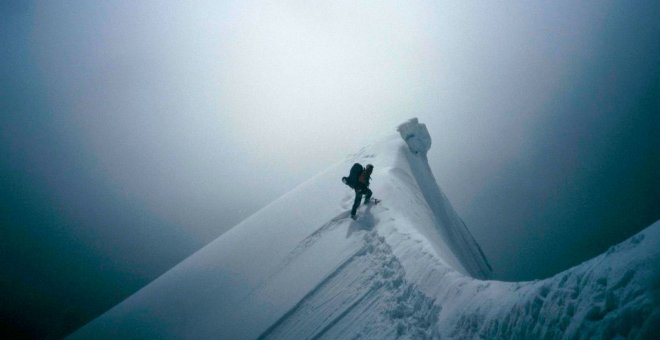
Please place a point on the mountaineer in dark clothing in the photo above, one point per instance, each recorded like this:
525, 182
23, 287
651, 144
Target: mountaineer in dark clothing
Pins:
359, 181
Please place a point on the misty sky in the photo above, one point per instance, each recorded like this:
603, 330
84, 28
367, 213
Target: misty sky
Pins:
134, 133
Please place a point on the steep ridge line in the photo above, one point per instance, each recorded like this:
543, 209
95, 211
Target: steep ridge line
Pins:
383, 278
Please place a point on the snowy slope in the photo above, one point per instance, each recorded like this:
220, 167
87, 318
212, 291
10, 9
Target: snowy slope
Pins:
407, 268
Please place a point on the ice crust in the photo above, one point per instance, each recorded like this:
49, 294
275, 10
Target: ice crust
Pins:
407, 268
416, 136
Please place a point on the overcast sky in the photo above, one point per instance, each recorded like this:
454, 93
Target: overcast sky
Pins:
134, 133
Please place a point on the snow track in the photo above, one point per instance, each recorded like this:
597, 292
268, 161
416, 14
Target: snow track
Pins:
311, 239
342, 305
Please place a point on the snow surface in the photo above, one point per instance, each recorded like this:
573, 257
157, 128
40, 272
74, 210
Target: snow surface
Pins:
407, 268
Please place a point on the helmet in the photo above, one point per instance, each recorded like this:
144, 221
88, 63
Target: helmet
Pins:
370, 168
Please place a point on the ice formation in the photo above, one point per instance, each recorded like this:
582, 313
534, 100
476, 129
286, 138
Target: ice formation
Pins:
407, 268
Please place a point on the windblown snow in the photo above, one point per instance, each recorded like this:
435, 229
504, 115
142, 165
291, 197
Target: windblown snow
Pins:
406, 268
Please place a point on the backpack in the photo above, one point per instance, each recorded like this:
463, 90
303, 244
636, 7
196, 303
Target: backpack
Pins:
354, 174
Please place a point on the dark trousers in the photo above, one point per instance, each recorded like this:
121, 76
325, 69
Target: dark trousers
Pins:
358, 197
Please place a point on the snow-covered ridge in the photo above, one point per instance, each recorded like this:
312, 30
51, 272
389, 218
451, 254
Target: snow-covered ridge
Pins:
301, 269
450, 226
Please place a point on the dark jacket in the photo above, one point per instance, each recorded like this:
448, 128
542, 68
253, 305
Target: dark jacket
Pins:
363, 180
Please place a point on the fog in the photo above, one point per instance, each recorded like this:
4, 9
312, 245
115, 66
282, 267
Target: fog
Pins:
134, 133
